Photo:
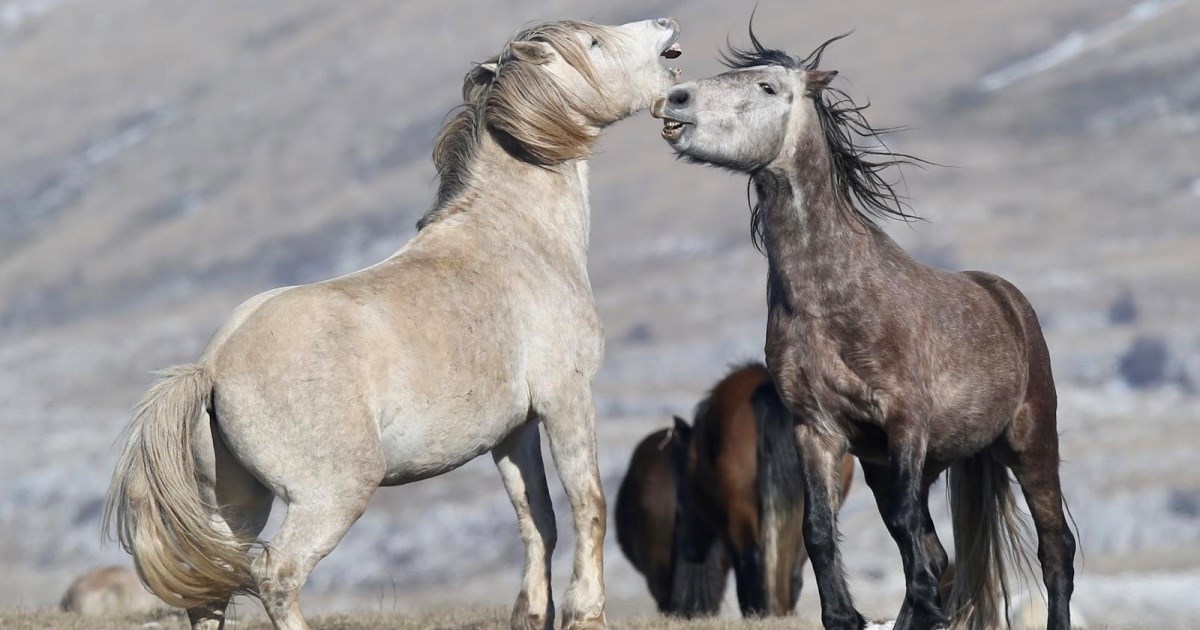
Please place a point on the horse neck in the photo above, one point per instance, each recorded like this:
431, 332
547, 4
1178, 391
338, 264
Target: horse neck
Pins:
548, 204
818, 252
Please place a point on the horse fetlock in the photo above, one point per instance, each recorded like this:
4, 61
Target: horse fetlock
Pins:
927, 615
579, 621
532, 617
584, 606
851, 620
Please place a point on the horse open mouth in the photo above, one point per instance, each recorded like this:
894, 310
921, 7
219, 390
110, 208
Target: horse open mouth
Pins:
672, 128
672, 51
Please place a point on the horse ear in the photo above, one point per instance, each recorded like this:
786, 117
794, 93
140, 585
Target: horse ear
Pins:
817, 80
531, 52
489, 69
682, 431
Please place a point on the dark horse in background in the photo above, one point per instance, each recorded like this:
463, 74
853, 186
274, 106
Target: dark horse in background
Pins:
724, 492
913, 369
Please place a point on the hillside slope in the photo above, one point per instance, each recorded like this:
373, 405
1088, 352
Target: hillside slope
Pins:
162, 160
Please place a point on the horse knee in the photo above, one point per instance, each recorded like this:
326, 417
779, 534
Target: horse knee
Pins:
903, 520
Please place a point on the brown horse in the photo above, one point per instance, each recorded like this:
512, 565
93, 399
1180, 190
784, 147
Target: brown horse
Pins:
724, 492
647, 511
911, 368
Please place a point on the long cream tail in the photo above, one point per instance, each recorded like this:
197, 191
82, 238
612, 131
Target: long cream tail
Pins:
155, 500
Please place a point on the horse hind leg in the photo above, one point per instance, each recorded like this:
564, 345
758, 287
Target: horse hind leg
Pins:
749, 569
519, 460
243, 503
1035, 462
316, 522
877, 478
326, 481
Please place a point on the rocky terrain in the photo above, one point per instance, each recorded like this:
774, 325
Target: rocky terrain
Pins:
162, 160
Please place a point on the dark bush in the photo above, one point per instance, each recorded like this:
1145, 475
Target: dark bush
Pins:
1123, 310
640, 333
1184, 502
1144, 364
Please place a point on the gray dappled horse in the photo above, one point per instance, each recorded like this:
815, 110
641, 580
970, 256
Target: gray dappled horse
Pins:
912, 369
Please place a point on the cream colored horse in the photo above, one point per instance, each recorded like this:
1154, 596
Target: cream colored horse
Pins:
478, 330
107, 591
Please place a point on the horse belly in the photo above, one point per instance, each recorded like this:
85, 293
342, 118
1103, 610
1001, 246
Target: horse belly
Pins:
417, 446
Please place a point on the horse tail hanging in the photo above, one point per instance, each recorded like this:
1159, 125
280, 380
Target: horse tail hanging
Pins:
781, 497
991, 540
154, 498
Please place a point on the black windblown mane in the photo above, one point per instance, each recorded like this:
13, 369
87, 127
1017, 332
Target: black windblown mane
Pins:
857, 170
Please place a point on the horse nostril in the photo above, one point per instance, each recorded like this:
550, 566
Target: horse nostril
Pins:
678, 97
663, 22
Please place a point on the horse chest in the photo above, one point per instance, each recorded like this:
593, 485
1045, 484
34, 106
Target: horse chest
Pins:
567, 333
813, 378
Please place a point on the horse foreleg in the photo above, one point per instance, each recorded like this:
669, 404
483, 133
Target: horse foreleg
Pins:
904, 515
878, 480
821, 464
571, 428
935, 553
519, 460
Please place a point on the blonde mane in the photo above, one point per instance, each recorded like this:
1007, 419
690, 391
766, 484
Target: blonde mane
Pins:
537, 120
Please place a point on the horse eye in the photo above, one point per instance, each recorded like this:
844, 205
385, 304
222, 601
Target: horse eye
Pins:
595, 42
766, 87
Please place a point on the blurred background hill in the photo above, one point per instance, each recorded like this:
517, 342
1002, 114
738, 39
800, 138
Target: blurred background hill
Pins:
162, 160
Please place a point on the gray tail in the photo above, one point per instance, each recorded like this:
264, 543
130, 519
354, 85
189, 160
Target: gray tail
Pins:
991, 542
781, 497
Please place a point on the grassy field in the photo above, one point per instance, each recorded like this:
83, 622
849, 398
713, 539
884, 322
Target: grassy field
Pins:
29, 619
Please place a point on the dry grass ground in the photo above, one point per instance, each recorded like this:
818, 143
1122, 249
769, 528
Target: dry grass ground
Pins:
162, 160
468, 619
21, 619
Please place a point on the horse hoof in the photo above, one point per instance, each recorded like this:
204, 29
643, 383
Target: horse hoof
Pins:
596, 623
531, 622
855, 622
524, 619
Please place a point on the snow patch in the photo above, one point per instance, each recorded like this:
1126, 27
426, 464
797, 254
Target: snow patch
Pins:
1075, 44
130, 134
